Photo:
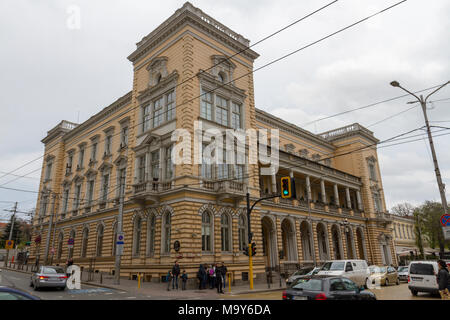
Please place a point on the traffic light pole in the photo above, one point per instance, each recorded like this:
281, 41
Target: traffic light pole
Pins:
250, 235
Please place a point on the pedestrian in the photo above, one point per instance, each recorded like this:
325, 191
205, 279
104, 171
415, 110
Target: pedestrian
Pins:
169, 279
212, 277
224, 274
184, 278
443, 280
219, 279
208, 277
68, 264
175, 274
201, 273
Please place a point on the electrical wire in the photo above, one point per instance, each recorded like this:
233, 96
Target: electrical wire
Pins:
257, 69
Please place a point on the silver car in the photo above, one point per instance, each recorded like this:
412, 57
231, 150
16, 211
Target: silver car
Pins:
49, 277
402, 273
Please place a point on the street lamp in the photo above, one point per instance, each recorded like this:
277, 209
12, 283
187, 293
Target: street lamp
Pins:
423, 103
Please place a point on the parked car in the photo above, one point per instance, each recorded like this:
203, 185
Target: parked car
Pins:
308, 271
355, 270
383, 275
49, 276
7, 293
326, 288
422, 277
402, 272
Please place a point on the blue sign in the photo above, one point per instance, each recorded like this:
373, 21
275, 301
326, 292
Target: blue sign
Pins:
445, 220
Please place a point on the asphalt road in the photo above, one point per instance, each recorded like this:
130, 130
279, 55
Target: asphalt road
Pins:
21, 281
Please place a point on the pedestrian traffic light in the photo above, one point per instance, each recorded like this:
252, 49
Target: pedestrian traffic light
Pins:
286, 187
253, 249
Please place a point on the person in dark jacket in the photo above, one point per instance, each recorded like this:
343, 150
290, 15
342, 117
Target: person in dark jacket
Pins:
443, 279
169, 278
175, 274
219, 279
224, 273
201, 276
184, 278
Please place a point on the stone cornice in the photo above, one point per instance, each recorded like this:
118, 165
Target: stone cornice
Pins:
190, 15
285, 126
106, 112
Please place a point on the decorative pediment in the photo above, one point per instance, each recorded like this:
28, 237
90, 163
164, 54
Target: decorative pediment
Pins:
77, 178
157, 70
49, 158
91, 172
120, 160
371, 159
105, 166
94, 138
222, 68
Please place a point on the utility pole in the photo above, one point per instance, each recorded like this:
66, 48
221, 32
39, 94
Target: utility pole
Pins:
49, 233
423, 103
119, 230
11, 230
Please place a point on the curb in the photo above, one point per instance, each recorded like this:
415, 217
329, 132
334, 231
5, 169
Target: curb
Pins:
255, 291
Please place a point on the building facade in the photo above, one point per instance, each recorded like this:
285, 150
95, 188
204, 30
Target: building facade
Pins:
193, 68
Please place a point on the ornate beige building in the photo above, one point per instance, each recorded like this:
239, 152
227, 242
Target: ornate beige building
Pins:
127, 146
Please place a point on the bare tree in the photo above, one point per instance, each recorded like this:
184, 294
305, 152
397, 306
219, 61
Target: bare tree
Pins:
403, 209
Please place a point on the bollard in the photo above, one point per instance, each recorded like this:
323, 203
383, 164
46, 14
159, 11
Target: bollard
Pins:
229, 281
101, 277
139, 280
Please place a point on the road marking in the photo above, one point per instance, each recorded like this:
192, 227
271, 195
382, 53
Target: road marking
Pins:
131, 297
108, 293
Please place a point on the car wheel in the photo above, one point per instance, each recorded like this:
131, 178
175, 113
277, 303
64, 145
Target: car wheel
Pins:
366, 286
414, 292
386, 282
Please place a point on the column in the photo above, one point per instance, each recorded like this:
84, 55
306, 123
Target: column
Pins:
347, 197
336, 195
322, 190
274, 184
308, 188
358, 199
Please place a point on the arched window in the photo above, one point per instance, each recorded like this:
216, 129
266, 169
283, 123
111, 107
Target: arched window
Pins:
225, 232
151, 235
84, 242
222, 77
114, 240
137, 235
166, 235
242, 232
206, 232
60, 245
71, 236
100, 240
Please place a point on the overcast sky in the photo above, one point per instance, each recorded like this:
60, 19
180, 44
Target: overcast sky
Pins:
50, 71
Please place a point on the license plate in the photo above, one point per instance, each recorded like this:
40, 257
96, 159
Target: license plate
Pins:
416, 279
300, 298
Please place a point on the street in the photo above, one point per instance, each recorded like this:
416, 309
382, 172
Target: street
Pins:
21, 281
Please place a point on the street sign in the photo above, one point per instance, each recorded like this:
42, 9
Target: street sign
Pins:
120, 238
9, 244
70, 241
445, 220
119, 243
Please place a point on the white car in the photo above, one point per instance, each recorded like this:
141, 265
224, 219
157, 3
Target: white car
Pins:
355, 270
403, 273
422, 277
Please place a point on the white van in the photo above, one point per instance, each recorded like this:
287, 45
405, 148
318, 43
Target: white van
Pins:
422, 277
355, 270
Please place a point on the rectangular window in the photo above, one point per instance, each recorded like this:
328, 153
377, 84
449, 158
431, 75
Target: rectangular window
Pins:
377, 202
146, 117
44, 205
69, 163
48, 172
141, 169
108, 142
170, 107
124, 137
155, 165
81, 157
76, 203
65, 200
223, 168
373, 175
90, 187
168, 163
157, 112
94, 151
221, 111
206, 105
239, 172
236, 116
121, 182
105, 187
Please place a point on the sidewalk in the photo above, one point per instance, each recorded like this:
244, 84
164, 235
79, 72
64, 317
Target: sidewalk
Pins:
151, 290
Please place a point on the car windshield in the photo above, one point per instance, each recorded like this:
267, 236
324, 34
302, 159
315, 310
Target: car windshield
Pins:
313, 272
333, 266
301, 272
52, 270
308, 284
375, 269
402, 269
421, 268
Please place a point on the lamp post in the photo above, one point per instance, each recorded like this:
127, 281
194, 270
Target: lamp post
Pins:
423, 103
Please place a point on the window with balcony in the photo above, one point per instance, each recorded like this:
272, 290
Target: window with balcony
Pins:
141, 169
168, 163
155, 165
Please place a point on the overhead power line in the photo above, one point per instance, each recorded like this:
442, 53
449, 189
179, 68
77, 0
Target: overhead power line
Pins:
259, 68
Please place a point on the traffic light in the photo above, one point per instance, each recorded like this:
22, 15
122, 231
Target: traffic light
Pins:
253, 249
246, 250
287, 187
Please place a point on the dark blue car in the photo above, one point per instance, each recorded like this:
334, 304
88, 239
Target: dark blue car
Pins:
7, 293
